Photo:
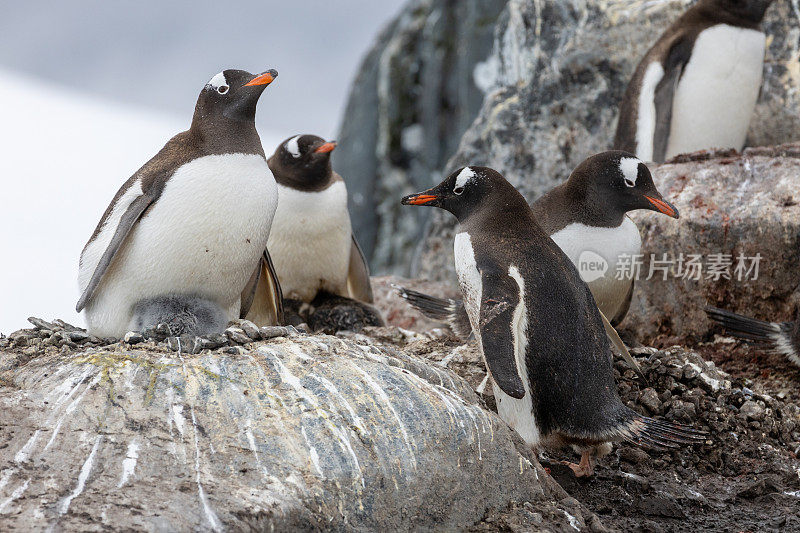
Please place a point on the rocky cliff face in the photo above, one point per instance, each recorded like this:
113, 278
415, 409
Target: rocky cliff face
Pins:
558, 72
299, 433
736, 245
416, 94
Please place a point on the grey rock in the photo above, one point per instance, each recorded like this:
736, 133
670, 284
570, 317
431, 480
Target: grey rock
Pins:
270, 332
78, 335
752, 410
237, 335
133, 337
309, 433
42, 324
739, 205
214, 341
649, 398
416, 92
250, 329
561, 67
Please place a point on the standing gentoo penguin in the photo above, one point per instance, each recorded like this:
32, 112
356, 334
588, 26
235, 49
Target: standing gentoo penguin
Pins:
188, 231
586, 217
696, 88
537, 325
778, 337
315, 252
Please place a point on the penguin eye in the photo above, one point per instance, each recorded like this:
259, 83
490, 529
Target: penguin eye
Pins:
630, 183
222, 89
458, 190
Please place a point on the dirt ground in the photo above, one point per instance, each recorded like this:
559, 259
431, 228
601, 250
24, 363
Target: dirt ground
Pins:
746, 477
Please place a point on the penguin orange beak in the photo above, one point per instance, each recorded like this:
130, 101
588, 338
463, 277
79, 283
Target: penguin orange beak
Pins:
325, 148
263, 79
419, 199
662, 206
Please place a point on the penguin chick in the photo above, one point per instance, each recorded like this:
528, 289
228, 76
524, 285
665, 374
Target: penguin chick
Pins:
778, 337
185, 315
536, 323
312, 244
193, 221
696, 88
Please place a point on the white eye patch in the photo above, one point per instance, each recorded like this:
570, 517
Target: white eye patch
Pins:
463, 177
629, 166
218, 81
292, 147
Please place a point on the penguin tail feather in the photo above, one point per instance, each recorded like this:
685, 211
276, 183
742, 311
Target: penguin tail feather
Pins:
746, 328
443, 309
659, 434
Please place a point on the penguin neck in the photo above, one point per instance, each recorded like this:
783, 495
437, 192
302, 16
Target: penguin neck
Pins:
217, 134
714, 15
306, 180
508, 215
590, 207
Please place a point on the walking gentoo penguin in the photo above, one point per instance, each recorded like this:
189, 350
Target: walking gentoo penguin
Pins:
188, 231
312, 244
586, 217
537, 325
778, 337
697, 86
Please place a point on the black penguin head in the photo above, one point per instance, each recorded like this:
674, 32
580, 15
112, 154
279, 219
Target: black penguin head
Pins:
466, 191
303, 162
612, 183
232, 94
745, 10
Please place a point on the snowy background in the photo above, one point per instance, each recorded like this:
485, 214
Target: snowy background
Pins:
91, 89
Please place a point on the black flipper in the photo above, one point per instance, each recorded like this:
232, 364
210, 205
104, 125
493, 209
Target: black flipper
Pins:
262, 298
126, 224
358, 282
678, 57
499, 300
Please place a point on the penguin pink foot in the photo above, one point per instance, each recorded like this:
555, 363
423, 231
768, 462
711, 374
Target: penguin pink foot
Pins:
583, 469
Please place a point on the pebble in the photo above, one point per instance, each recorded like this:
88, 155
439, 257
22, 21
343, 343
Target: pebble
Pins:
237, 335
752, 410
649, 399
249, 329
133, 337
270, 332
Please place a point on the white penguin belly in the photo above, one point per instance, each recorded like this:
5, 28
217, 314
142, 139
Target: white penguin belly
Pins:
203, 236
715, 97
615, 248
517, 413
310, 241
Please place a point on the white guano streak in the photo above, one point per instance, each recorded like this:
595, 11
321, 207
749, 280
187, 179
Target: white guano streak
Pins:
129, 463
86, 469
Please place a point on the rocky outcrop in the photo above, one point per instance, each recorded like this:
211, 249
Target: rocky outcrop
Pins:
294, 433
559, 72
736, 245
415, 95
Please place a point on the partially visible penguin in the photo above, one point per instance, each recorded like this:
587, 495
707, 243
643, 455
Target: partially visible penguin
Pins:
537, 326
587, 218
778, 337
316, 255
185, 237
696, 88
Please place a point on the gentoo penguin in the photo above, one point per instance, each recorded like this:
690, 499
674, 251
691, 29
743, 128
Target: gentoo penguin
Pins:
536, 323
312, 244
778, 337
191, 225
586, 217
696, 88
